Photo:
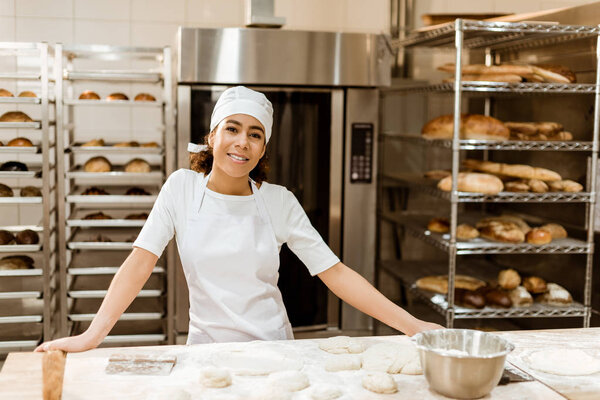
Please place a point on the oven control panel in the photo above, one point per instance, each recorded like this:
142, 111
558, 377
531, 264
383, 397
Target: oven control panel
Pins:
361, 151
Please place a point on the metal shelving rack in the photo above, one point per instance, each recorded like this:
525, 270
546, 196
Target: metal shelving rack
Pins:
75, 229
492, 37
28, 308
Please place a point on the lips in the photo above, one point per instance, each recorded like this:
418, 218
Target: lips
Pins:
237, 158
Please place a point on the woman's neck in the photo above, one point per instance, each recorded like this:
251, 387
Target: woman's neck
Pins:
222, 183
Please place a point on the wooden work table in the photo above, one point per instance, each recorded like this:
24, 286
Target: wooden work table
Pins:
21, 376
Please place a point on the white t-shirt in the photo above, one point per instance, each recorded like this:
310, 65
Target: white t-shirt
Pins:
288, 219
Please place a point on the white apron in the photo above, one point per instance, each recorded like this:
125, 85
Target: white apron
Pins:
231, 264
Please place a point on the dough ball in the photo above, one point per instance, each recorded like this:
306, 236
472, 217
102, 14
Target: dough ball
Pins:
214, 377
566, 362
341, 345
290, 381
169, 393
392, 358
380, 382
325, 393
343, 362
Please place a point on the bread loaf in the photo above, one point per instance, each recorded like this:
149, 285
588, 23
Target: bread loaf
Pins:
97, 215
516, 186
137, 165
554, 73
473, 183
116, 96
93, 191
556, 296
469, 298
27, 93
8, 238
31, 191
497, 297
566, 186
520, 222
472, 126
89, 95
150, 144
6, 93
5, 191
512, 170
478, 69
13, 166
534, 284
136, 191
520, 297
509, 279
439, 225
144, 97
439, 283
466, 232
556, 231
510, 78
502, 231
15, 116
537, 186
94, 143
539, 236
20, 142
137, 216
15, 262
97, 164
127, 144
27, 237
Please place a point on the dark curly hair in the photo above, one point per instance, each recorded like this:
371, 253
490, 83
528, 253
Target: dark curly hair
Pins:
203, 161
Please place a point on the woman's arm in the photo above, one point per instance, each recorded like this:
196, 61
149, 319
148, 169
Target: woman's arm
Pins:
359, 293
126, 284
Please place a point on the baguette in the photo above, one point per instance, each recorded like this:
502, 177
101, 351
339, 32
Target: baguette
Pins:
479, 69
472, 126
473, 183
566, 186
439, 283
511, 78
554, 73
513, 170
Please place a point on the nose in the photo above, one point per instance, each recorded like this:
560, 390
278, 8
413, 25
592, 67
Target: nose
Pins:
243, 140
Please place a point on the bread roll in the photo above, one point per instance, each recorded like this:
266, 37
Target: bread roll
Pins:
137, 216
439, 283
556, 296
27, 237
27, 93
562, 135
520, 297
97, 164
520, 222
20, 142
150, 144
534, 284
516, 186
474, 183
526, 128
15, 116
513, 170
127, 144
89, 95
469, 298
537, 186
466, 232
97, 215
144, 97
94, 191
137, 165
500, 231
497, 297
539, 236
136, 191
437, 174
15, 262
472, 126
94, 143
5, 191
439, 225
555, 73
566, 186
13, 166
556, 231
509, 279
30, 191
116, 96
6, 238
6, 93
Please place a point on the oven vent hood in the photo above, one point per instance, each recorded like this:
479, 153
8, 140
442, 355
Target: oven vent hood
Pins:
253, 56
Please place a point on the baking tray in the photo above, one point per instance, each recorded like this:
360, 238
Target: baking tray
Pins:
104, 199
155, 174
104, 271
20, 248
106, 223
19, 319
20, 200
100, 294
20, 100
21, 125
149, 316
100, 245
114, 75
19, 149
18, 344
113, 103
77, 149
21, 272
20, 174
20, 295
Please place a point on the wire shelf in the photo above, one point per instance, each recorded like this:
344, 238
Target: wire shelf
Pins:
511, 145
113, 103
500, 87
114, 75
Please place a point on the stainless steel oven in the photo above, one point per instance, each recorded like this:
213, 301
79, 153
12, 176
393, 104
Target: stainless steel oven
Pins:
323, 87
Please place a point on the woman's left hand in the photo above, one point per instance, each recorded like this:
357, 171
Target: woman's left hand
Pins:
421, 326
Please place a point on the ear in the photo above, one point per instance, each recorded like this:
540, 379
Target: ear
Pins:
211, 138
263, 152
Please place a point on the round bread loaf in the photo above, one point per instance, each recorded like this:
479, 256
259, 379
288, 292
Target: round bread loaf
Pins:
15, 116
6, 93
136, 191
520, 297
97, 164
13, 166
89, 95
539, 236
20, 142
94, 143
556, 231
6, 237
474, 183
144, 97
472, 126
439, 225
27, 237
97, 215
509, 279
556, 296
5, 191
16, 262
116, 96
137, 165
466, 232
535, 284
30, 191
93, 191
27, 93
150, 144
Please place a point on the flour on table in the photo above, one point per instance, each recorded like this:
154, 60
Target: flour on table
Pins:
256, 363
169, 393
290, 381
343, 362
213, 377
392, 358
380, 382
325, 393
568, 362
271, 393
341, 345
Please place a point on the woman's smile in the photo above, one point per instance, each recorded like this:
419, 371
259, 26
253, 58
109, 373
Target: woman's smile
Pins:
238, 159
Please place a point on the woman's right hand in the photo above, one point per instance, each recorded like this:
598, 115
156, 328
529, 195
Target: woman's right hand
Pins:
70, 344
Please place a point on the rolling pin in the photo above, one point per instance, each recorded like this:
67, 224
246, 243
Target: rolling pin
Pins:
53, 370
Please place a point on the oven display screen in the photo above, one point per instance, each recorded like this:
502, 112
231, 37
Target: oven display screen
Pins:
361, 151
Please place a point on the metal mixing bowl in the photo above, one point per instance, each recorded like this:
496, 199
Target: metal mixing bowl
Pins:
462, 363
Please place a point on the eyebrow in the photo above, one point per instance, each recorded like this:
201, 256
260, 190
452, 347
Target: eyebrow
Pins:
233, 121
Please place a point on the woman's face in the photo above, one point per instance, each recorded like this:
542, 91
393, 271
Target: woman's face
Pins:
238, 144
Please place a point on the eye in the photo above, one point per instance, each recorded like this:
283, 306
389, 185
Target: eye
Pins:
231, 129
256, 135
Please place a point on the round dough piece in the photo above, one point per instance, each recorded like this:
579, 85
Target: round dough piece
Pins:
289, 381
169, 393
566, 362
392, 358
380, 382
343, 362
325, 393
213, 377
342, 345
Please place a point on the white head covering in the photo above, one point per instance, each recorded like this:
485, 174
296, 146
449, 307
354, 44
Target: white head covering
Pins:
240, 100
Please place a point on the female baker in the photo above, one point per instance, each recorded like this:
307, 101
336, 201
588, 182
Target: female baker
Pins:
229, 225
